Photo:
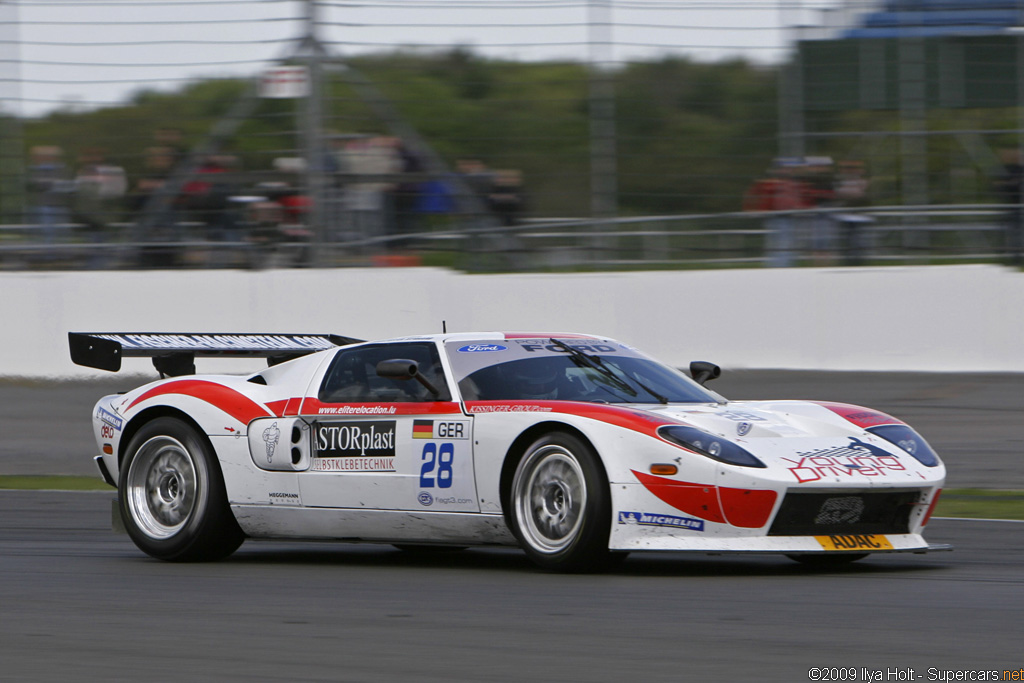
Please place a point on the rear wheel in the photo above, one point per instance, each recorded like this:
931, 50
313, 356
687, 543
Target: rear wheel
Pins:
172, 496
560, 505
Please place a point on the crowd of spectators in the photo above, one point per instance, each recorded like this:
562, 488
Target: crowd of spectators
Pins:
377, 196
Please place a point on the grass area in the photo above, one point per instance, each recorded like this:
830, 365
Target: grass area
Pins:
975, 503
56, 482
981, 503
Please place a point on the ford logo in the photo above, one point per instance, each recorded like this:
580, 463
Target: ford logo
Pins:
480, 348
425, 498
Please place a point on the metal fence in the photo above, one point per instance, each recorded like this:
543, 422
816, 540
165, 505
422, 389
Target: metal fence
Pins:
893, 235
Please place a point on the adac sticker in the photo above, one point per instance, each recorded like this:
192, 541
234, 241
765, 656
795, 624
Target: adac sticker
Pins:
482, 348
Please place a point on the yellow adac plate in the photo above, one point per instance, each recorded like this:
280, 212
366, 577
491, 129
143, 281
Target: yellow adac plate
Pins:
855, 542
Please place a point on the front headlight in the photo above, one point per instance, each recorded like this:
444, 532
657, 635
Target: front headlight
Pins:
708, 445
909, 440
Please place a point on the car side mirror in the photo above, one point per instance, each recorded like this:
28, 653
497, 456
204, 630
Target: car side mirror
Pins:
398, 368
703, 371
404, 369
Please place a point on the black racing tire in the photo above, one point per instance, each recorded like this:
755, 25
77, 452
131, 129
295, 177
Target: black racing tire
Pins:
560, 505
172, 498
827, 561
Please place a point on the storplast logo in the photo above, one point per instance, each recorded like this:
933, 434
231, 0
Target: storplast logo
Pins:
481, 348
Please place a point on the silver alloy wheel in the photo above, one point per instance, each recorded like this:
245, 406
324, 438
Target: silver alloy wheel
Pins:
161, 487
550, 494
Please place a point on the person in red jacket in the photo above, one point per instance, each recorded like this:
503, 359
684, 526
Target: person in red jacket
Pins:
780, 191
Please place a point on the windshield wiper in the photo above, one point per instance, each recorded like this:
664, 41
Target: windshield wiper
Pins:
595, 362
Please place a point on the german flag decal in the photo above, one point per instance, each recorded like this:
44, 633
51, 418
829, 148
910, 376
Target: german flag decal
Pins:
423, 429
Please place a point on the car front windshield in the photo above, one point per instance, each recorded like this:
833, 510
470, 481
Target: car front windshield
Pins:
599, 371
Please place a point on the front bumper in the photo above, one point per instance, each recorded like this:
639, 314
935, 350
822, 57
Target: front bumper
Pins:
104, 472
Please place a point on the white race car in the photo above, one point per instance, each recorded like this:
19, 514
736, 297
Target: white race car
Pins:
579, 449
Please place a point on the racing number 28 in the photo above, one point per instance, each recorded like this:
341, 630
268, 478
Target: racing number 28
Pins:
437, 466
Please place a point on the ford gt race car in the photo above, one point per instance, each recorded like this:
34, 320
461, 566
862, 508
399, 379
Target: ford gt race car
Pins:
579, 449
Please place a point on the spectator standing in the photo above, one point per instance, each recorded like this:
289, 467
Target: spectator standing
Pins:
476, 176
506, 197
781, 191
49, 190
99, 187
851, 192
206, 198
158, 166
368, 197
819, 189
407, 193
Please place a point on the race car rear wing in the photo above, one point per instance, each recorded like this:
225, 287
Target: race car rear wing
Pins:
174, 354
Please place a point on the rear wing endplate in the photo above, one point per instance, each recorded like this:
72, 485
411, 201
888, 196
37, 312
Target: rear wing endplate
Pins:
174, 354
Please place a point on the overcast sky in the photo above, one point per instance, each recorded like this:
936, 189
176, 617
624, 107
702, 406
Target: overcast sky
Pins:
88, 53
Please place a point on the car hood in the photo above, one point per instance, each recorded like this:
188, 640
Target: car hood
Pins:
807, 441
752, 420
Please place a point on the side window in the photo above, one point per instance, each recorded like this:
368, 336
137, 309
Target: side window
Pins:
352, 377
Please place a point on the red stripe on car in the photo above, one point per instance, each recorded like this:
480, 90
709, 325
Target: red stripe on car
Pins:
526, 335
628, 418
234, 403
862, 417
745, 508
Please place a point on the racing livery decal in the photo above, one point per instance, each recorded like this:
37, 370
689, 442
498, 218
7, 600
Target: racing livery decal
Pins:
313, 406
857, 459
647, 519
534, 345
221, 342
628, 418
271, 435
423, 429
108, 418
284, 498
482, 348
354, 446
440, 429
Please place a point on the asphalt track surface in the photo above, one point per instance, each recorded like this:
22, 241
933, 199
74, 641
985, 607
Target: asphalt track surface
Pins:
80, 603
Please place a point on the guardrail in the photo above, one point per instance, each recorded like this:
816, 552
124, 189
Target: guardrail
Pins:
968, 233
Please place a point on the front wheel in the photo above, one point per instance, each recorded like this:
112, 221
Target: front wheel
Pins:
172, 496
560, 505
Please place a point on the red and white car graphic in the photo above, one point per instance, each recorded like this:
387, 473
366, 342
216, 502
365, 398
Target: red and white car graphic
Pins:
579, 449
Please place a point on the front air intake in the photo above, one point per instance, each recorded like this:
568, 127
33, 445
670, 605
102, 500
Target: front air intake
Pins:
805, 513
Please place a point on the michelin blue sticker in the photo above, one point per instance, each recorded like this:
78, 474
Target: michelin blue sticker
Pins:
647, 519
109, 418
482, 348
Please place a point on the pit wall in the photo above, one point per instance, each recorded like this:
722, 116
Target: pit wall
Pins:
925, 318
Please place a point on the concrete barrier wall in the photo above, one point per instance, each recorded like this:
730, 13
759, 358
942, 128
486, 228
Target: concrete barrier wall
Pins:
942, 318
